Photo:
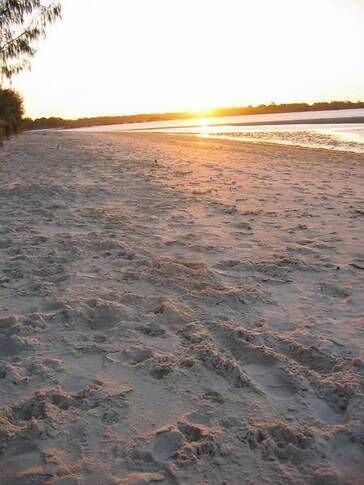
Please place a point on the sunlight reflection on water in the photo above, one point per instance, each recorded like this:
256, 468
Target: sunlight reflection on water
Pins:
300, 128
348, 137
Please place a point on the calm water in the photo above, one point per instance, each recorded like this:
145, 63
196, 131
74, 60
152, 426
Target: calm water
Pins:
334, 131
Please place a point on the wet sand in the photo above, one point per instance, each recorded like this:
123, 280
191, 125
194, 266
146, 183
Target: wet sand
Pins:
178, 310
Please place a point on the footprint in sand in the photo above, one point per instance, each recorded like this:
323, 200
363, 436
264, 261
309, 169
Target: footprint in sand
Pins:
18, 460
105, 315
335, 291
166, 443
271, 379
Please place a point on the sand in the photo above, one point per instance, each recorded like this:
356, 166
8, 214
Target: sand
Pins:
178, 310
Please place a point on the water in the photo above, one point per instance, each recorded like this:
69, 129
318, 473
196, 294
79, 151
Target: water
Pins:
346, 137
335, 129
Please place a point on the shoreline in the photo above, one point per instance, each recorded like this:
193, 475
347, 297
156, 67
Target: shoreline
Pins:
319, 121
210, 136
258, 142
265, 144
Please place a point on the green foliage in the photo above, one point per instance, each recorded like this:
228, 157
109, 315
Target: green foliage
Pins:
22, 22
11, 113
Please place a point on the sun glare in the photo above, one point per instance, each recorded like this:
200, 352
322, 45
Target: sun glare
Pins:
204, 127
272, 58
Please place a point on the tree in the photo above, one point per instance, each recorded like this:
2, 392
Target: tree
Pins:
11, 112
22, 22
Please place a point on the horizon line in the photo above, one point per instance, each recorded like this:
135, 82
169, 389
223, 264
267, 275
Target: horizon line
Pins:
197, 112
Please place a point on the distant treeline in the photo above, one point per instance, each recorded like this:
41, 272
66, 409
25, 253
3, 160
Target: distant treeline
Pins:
45, 123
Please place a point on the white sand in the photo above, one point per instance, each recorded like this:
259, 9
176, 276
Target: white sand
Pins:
181, 311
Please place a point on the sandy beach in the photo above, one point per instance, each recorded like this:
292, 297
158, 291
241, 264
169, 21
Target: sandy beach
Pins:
180, 310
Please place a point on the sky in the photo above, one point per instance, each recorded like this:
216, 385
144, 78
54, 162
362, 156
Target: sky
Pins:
116, 57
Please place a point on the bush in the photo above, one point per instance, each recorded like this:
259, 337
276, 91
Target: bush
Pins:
11, 113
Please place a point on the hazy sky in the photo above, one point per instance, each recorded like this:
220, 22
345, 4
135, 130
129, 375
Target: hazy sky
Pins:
131, 56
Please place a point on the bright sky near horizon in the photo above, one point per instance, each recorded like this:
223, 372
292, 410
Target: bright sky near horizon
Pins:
116, 57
